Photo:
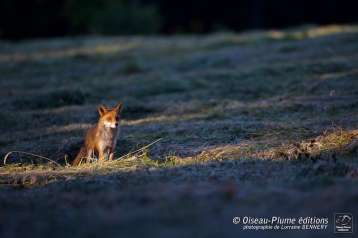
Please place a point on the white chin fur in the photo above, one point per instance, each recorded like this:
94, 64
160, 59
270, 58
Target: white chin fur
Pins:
109, 125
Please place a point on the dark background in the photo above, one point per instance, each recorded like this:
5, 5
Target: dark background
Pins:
23, 19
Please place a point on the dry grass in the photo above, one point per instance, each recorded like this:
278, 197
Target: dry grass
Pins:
331, 143
327, 146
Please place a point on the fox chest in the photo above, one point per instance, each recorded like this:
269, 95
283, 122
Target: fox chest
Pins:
107, 139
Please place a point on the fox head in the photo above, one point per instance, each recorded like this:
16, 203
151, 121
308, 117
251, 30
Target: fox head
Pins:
110, 117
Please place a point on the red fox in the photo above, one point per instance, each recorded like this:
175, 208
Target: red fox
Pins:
101, 139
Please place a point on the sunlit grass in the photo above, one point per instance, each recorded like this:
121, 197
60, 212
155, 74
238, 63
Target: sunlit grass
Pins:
337, 142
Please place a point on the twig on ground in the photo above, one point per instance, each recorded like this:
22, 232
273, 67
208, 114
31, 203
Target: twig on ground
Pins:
141, 149
31, 154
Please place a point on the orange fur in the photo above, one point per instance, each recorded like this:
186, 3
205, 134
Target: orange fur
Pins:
101, 139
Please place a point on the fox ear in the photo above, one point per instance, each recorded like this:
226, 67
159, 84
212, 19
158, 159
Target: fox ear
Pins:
119, 107
102, 110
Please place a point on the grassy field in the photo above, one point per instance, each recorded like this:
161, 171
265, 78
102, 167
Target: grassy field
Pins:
251, 124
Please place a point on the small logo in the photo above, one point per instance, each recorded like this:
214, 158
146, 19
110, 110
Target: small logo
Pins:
343, 223
236, 220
